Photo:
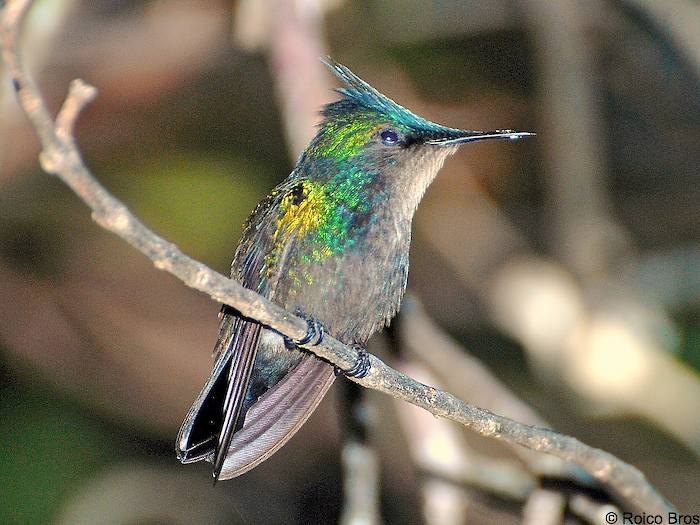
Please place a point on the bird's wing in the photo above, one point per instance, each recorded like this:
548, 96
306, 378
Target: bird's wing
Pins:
213, 416
210, 432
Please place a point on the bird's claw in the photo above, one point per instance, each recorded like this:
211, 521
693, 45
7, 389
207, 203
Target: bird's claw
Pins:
361, 367
314, 335
315, 332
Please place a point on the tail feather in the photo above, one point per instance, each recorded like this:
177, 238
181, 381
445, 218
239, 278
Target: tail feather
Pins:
277, 415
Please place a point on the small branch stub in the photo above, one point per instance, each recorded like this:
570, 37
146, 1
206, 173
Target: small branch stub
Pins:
80, 94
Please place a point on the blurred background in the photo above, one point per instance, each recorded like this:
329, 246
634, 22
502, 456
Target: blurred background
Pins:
554, 280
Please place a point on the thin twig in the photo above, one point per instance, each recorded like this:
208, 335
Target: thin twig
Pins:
80, 95
61, 158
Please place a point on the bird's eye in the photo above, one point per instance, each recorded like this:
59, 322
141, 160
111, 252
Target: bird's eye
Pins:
389, 137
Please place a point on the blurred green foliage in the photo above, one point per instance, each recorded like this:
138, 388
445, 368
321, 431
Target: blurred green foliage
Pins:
49, 443
183, 196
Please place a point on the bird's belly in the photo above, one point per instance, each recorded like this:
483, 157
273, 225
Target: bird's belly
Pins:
353, 295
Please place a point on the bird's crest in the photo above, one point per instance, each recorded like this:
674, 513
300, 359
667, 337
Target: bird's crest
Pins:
363, 96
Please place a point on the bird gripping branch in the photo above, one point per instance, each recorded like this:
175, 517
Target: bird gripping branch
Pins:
330, 242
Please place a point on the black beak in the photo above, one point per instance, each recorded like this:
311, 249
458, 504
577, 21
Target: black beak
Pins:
452, 137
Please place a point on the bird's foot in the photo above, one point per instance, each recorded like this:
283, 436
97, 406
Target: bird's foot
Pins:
362, 365
314, 333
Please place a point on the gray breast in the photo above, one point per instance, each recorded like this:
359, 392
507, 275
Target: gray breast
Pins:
358, 292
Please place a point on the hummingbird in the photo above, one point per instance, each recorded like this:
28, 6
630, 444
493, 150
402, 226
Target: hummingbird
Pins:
331, 243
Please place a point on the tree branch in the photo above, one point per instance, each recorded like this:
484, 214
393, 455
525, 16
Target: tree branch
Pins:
60, 157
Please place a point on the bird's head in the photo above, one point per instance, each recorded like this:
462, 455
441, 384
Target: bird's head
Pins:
366, 132
368, 129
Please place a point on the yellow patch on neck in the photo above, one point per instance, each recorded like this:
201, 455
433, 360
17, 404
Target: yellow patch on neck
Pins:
300, 212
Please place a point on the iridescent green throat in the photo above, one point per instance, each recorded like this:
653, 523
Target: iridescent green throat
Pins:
327, 216
322, 214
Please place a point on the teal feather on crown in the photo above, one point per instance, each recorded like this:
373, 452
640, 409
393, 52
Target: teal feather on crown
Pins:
360, 94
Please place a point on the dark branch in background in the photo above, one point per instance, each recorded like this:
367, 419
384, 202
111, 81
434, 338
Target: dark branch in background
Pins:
673, 24
60, 157
586, 235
